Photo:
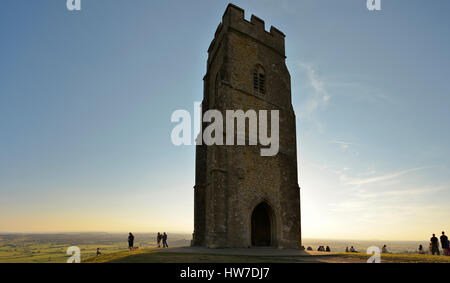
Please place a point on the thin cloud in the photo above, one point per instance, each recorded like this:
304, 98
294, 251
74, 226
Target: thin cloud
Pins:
319, 96
361, 91
343, 144
317, 83
402, 193
381, 178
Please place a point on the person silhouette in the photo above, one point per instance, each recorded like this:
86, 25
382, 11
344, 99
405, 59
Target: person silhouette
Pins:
421, 251
158, 239
434, 245
444, 243
130, 241
164, 239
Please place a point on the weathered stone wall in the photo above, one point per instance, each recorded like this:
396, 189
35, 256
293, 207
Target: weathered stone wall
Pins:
232, 180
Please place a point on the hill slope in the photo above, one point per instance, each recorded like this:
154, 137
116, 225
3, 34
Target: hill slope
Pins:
158, 256
161, 256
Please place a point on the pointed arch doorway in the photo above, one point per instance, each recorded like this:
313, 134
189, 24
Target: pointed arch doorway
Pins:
262, 226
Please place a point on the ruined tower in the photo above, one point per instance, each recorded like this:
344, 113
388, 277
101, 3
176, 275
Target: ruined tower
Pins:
243, 199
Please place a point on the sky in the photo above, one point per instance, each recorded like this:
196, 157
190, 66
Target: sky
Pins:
86, 99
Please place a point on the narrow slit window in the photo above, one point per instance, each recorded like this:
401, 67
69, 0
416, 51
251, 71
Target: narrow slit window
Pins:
259, 80
255, 81
261, 83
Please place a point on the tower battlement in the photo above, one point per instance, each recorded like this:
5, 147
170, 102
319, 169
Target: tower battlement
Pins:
234, 19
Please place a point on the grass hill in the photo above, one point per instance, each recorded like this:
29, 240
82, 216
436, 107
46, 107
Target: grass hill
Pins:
160, 256
156, 256
51, 248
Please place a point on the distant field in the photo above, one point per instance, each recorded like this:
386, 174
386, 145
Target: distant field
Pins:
51, 248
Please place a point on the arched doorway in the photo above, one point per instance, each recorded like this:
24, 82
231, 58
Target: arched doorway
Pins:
261, 225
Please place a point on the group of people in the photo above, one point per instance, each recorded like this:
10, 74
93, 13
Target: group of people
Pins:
323, 249
434, 245
162, 237
384, 250
351, 250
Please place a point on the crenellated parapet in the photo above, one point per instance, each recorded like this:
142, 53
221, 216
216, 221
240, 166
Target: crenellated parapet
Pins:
234, 19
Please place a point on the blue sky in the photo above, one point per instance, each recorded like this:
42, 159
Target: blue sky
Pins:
86, 99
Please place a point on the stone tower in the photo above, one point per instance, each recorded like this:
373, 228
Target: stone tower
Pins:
243, 199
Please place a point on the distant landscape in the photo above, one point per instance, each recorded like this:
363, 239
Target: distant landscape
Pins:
42, 248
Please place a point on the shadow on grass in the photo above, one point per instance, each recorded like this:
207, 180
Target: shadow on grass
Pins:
160, 257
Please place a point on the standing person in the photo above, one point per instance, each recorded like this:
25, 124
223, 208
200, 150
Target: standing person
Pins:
164, 238
130, 241
158, 239
434, 245
444, 243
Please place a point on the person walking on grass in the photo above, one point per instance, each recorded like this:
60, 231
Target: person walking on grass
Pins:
444, 244
158, 239
434, 245
130, 241
164, 239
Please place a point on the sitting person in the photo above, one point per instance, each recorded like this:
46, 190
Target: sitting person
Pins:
421, 251
346, 250
352, 250
98, 252
309, 249
384, 250
328, 249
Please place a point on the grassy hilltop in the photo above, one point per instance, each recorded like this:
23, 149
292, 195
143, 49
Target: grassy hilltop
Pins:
159, 256
156, 256
51, 248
